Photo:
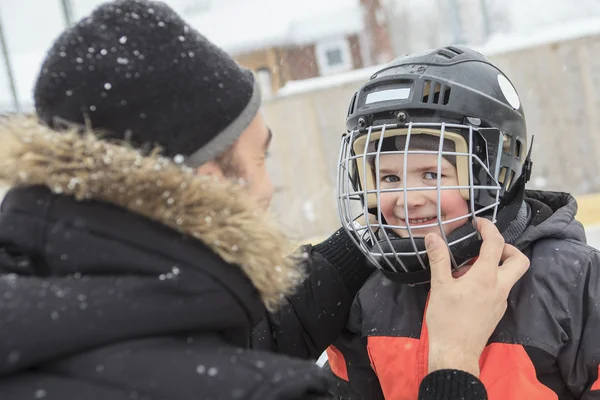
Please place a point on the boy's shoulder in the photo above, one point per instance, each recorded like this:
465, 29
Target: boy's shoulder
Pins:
548, 300
556, 280
561, 259
559, 268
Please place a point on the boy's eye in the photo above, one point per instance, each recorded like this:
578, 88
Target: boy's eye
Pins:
391, 178
430, 175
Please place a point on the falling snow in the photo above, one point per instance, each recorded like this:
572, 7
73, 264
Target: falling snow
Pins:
40, 394
13, 357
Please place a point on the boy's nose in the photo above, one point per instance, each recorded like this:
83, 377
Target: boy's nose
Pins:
413, 199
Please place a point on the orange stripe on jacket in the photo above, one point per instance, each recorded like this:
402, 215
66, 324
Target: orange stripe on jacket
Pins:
506, 370
508, 373
596, 385
395, 361
337, 362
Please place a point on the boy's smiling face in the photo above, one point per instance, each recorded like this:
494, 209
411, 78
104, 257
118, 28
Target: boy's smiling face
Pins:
422, 205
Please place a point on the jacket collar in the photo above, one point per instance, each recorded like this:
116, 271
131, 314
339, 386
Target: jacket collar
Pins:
219, 214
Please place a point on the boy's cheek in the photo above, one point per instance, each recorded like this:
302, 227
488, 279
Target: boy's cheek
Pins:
454, 204
387, 207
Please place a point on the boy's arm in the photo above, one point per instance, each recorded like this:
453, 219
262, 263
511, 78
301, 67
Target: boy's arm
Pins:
579, 360
316, 315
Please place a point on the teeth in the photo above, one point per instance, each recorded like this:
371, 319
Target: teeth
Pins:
419, 221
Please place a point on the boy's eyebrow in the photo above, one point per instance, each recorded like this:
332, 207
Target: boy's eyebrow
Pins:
427, 167
387, 171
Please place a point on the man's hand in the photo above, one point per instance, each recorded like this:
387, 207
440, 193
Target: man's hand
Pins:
463, 312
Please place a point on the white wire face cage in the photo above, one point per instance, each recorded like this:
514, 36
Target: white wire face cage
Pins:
363, 189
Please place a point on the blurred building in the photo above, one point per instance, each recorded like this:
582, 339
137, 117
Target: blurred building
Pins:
286, 41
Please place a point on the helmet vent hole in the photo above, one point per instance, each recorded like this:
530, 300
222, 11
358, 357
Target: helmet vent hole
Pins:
449, 52
426, 90
506, 176
506, 144
446, 94
352, 103
436, 93
445, 54
454, 50
518, 149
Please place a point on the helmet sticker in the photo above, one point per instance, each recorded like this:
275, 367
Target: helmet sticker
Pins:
509, 92
386, 95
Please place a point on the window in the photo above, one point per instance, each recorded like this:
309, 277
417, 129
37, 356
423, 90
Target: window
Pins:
333, 56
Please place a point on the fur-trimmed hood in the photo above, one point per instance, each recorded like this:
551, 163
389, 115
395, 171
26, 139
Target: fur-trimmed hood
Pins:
218, 213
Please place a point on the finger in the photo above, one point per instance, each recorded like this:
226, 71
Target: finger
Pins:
439, 259
491, 248
514, 266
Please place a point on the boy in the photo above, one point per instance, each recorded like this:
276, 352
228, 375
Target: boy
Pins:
433, 141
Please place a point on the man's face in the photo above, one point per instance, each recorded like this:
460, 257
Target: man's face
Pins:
250, 154
247, 161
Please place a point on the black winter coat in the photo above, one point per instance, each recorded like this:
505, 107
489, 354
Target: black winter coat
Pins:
114, 283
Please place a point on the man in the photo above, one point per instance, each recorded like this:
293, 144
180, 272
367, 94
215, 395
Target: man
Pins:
144, 274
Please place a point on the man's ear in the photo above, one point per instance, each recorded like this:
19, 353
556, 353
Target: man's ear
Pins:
210, 168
